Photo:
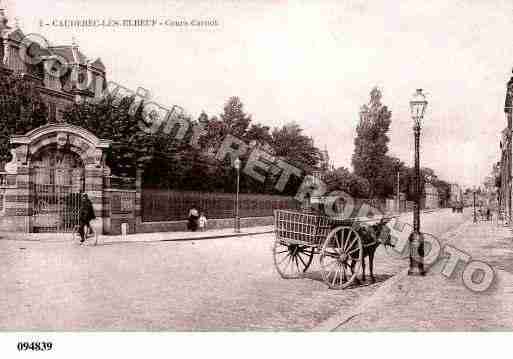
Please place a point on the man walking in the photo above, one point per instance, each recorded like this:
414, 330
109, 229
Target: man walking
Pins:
85, 216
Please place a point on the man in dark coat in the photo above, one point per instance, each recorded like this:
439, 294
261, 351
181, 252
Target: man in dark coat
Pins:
85, 216
193, 219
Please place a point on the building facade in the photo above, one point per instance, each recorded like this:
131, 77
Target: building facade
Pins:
62, 73
456, 193
431, 197
505, 174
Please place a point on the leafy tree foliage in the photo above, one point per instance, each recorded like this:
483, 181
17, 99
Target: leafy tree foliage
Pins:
236, 121
293, 146
371, 143
21, 110
169, 162
287, 143
343, 180
131, 146
444, 191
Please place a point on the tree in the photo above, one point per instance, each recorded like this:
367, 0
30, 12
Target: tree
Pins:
287, 143
293, 146
387, 176
343, 180
259, 133
21, 110
444, 191
236, 121
371, 143
131, 146
233, 121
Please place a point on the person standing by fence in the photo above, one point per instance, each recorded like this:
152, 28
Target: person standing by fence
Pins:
193, 219
202, 222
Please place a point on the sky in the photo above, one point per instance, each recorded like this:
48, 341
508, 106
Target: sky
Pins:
315, 63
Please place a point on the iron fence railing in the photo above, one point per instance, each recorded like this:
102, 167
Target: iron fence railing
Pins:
167, 205
118, 182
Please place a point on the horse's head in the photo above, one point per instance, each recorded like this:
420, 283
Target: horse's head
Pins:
383, 233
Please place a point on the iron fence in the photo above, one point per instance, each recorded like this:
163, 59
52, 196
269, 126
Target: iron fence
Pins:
118, 182
167, 205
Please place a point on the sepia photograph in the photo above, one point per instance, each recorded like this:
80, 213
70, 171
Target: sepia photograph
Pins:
189, 174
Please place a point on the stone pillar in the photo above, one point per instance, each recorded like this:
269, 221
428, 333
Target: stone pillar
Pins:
138, 198
18, 203
94, 189
106, 201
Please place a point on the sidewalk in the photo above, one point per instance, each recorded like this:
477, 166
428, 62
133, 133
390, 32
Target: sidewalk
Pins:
152, 237
143, 237
437, 303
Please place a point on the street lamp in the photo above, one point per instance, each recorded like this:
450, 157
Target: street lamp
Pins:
475, 217
236, 164
398, 199
418, 106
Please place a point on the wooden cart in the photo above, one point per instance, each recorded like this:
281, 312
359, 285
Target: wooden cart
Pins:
338, 242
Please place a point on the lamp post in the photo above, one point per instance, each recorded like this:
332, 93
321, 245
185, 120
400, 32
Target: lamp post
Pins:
475, 217
236, 164
398, 199
418, 106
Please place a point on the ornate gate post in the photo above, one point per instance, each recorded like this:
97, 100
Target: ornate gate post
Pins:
18, 204
94, 186
138, 198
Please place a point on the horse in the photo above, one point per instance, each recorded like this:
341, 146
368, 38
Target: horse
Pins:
372, 237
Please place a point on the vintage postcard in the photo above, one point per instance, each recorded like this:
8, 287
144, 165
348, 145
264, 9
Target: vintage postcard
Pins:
251, 166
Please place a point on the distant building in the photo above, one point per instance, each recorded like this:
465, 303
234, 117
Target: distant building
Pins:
468, 199
431, 197
325, 164
456, 193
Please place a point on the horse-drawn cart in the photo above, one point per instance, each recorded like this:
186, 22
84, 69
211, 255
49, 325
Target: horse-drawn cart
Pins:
342, 245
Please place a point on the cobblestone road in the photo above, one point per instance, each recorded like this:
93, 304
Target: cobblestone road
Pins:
220, 284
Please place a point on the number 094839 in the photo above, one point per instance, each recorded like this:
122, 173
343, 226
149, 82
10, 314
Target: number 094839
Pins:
34, 346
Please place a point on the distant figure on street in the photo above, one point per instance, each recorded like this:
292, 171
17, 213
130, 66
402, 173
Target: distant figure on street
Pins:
86, 215
488, 214
193, 219
202, 221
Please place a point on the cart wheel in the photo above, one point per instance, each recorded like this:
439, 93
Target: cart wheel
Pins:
341, 257
291, 260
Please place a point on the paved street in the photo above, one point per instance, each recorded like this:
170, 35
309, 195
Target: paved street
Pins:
218, 284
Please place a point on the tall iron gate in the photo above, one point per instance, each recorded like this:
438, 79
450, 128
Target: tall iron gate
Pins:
56, 198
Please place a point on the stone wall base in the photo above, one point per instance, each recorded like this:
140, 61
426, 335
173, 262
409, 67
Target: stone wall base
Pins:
15, 224
180, 226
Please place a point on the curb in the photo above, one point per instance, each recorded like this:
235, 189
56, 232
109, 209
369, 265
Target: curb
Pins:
104, 240
337, 320
184, 239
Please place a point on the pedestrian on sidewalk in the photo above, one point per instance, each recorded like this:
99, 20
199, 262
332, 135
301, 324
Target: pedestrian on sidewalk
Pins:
193, 219
86, 215
202, 221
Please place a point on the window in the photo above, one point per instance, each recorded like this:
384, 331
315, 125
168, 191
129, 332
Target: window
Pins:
52, 112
